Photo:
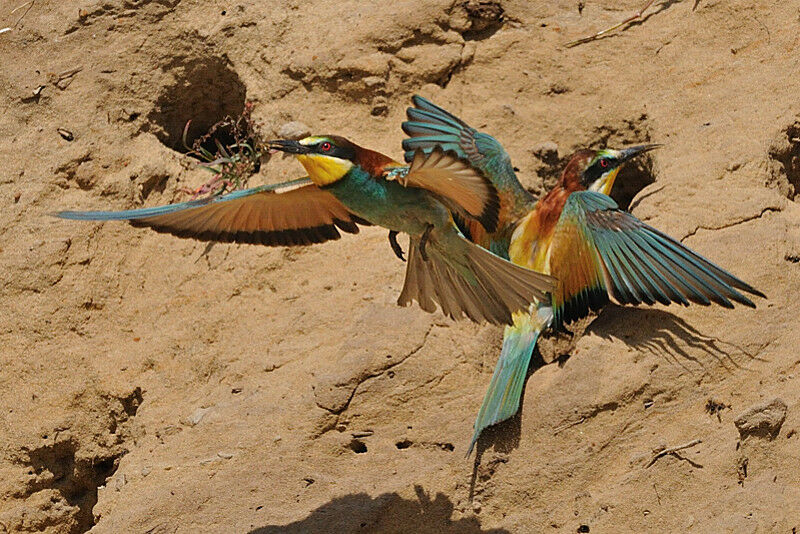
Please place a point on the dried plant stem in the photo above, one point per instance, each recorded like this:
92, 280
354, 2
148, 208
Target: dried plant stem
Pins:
599, 34
29, 3
671, 450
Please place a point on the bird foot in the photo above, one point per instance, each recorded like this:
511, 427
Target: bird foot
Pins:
424, 241
398, 250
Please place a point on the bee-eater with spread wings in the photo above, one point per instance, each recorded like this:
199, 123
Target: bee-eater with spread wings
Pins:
576, 233
349, 185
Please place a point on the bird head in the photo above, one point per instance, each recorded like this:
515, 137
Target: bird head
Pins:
596, 170
327, 158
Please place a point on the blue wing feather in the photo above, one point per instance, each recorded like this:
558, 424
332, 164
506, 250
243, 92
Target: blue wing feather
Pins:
649, 274
430, 126
643, 264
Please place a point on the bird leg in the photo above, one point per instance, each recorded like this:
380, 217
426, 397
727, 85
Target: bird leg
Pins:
599, 34
398, 250
424, 241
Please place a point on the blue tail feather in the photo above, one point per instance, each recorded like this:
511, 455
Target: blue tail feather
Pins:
502, 398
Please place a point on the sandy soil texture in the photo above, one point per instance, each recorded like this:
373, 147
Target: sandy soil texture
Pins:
160, 385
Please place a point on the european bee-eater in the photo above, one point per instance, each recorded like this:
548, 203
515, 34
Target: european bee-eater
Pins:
576, 233
349, 185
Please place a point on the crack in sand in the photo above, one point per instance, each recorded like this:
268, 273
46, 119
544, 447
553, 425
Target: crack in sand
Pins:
376, 374
772, 209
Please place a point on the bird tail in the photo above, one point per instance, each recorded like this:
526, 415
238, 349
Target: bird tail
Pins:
502, 398
467, 280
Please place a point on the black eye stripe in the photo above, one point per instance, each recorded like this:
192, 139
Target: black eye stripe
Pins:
327, 148
596, 169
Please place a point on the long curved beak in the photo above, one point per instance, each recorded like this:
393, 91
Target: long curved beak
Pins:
632, 152
606, 182
288, 145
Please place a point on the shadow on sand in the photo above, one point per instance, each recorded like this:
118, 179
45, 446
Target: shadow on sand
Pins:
656, 331
386, 513
664, 334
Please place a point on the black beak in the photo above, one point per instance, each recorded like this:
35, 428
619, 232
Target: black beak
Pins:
288, 145
632, 152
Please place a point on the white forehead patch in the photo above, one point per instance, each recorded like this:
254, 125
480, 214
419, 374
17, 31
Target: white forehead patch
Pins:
312, 140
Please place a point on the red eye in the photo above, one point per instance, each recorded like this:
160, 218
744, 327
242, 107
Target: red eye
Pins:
604, 163
325, 146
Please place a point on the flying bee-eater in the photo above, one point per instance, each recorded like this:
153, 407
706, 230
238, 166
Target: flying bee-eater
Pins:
349, 185
576, 233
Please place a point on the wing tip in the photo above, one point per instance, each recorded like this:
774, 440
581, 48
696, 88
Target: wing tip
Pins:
419, 100
753, 291
72, 215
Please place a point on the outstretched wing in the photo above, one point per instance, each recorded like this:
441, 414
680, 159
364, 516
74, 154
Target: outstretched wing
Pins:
454, 180
430, 126
291, 213
599, 251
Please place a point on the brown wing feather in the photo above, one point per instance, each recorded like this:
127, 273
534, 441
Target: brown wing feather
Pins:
294, 216
457, 182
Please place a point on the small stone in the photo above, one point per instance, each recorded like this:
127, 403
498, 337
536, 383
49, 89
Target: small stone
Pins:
146, 471
483, 14
120, 481
168, 430
547, 151
294, 130
225, 455
380, 106
196, 417
373, 81
17, 196
733, 166
762, 420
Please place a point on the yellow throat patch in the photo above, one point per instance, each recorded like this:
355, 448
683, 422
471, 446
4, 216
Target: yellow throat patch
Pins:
605, 184
324, 170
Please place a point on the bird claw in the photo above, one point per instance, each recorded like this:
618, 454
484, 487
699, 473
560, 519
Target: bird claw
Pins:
396, 248
424, 241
